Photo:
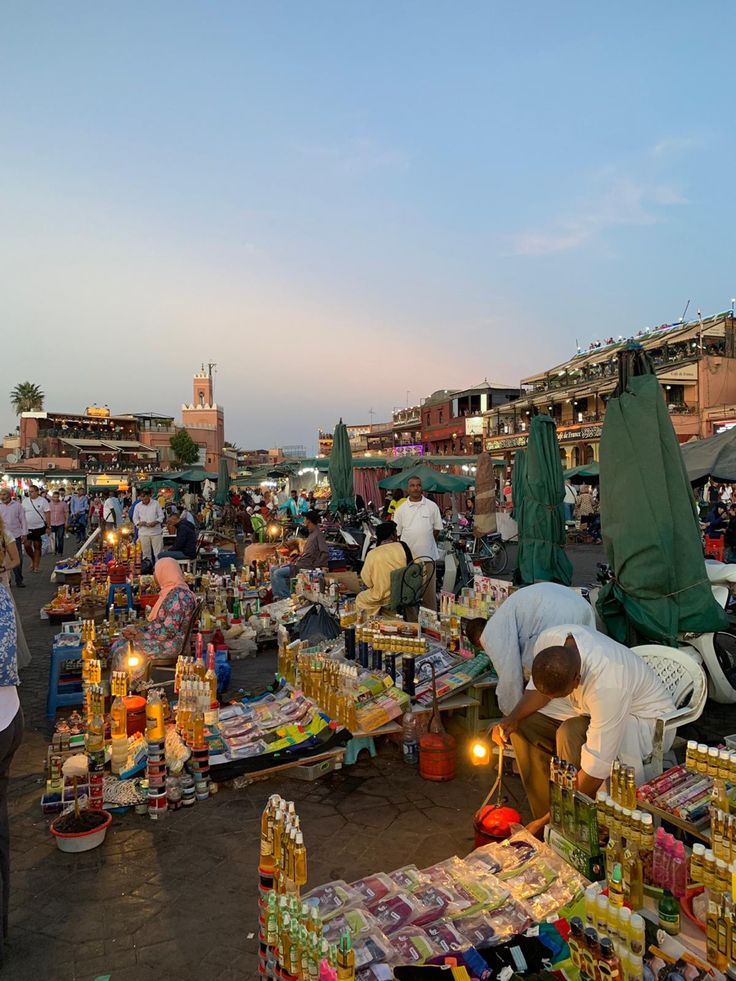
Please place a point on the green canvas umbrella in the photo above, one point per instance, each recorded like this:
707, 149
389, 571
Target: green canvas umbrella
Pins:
433, 481
518, 484
222, 494
541, 518
340, 471
588, 471
650, 527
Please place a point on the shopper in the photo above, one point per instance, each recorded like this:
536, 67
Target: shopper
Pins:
58, 515
113, 511
397, 499
13, 518
419, 523
149, 520
590, 701
95, 512
571, 496
315, 556
11, 734
389, 555
38, 522
510, 636
185, 544
79, 513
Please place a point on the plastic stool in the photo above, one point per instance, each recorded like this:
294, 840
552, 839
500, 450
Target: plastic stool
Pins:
114, 586
355, 745
56, 698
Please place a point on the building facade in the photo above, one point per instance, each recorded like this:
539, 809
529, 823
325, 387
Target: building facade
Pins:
696, 367
452, 419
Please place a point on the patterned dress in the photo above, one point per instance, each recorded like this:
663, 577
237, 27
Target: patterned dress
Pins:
162, 637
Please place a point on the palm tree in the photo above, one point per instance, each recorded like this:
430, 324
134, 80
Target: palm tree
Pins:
27, 397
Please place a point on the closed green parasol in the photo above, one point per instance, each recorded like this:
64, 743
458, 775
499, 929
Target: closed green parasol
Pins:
650, 526
540, 514
340, 471
222, 494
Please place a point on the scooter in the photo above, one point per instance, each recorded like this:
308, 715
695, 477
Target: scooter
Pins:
716, 652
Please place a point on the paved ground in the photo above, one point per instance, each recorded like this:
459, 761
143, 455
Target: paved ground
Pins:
178, 899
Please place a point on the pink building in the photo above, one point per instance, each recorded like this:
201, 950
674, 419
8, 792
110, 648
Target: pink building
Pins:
205, 420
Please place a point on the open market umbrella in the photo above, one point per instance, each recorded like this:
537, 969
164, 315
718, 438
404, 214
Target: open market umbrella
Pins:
222, 494
588, 471
340, 471
650, 527
433, 481
541, 519
714, 457
484, 522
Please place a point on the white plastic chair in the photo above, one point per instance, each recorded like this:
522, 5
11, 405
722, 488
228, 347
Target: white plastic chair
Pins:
686, 682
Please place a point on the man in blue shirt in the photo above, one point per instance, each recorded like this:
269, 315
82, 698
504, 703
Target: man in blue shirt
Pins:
79, 513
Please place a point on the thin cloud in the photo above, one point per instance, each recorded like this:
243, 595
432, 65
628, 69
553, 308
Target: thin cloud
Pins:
357, 157
620, 201
676, 144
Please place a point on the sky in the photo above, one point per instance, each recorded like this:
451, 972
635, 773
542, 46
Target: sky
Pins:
340, 203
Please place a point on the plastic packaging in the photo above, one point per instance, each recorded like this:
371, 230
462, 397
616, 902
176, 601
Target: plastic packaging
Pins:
446, 936
407, 878
374, 887
488, 929
333, 898
412, 945
395, 912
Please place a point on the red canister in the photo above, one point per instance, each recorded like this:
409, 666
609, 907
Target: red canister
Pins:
136, 708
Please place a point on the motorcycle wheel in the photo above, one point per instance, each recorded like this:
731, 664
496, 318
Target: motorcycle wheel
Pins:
495, 564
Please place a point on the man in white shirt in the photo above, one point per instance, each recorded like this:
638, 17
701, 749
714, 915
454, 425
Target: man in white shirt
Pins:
149, 520
419, 523
38, 521
510, 637
14, 518
590, 701
112, 511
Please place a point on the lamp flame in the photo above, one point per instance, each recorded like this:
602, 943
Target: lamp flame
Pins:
480, 753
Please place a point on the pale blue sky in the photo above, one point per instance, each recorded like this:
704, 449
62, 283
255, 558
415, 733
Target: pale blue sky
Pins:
338, 202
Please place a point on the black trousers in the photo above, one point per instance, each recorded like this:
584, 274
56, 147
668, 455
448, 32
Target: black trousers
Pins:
10, 740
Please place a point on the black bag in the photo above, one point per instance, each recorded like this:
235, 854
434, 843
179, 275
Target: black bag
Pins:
317, 624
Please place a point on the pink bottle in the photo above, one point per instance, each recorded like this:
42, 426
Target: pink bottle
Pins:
658, 858
679, 870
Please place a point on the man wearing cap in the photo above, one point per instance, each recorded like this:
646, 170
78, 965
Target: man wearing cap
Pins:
389, 555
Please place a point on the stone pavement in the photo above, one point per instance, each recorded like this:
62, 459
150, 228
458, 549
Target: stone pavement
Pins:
178, 899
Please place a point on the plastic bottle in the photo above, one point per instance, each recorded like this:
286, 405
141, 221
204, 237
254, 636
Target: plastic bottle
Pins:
637, 934
345, 958
591, 894
634, 876
697, 858
616, 886
590, 953
601, 915
647, 846
691, 754
634, 968
576, 940
610, 966
211, 675
409, 741
601, 813
624, 928
679, 870
155, 728
669, 914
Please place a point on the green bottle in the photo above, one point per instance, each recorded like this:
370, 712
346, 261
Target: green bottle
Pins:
669, 914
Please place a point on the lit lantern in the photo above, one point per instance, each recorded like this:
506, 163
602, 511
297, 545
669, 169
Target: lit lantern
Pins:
480, 753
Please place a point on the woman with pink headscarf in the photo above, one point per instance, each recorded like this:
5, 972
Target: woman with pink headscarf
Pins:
168, 619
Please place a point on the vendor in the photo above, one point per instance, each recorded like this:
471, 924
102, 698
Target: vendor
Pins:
168, 622
148, 519
389, 555
314, 556
185, 544
590, 701
511, 634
